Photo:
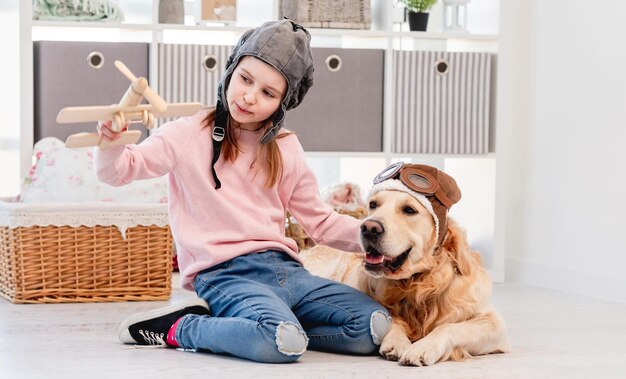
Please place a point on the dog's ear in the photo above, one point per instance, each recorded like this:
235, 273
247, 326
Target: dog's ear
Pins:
456, 247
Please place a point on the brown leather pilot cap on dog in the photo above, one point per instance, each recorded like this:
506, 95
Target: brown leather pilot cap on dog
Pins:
433, 188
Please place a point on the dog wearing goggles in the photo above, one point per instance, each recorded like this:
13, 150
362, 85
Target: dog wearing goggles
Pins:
418, 264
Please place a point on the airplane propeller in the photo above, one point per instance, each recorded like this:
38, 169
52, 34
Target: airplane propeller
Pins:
141, 86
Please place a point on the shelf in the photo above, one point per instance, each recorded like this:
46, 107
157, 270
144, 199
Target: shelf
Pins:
97, 25
357, 33
446, 36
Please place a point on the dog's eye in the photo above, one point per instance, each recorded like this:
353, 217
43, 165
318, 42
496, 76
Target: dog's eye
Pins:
373, 205
409, 211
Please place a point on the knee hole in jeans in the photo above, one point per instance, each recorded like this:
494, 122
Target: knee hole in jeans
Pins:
291, 339
380, 323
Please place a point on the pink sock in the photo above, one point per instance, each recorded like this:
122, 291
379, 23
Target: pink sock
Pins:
171, 335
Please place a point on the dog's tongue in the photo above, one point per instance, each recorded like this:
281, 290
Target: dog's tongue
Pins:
374, 259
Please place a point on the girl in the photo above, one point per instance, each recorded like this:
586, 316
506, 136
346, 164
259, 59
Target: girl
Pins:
229, 230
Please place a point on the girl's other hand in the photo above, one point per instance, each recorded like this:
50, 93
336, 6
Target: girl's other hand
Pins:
105, 131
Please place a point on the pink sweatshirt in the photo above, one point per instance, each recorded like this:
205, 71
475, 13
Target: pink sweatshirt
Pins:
212, 226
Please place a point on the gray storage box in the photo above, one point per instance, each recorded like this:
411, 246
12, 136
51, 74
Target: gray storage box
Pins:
80, 74
343, 111
442, 102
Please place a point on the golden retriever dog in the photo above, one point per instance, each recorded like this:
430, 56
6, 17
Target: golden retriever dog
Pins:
435, 288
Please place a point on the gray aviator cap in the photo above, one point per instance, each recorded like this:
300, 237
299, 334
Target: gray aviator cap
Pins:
285, 46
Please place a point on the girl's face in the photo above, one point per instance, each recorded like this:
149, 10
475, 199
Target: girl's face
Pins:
255, 92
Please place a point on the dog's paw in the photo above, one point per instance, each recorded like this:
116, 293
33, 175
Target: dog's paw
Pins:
393, 348
423, 353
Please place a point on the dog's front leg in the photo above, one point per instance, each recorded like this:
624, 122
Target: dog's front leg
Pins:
395, 343
478, 336
436, 346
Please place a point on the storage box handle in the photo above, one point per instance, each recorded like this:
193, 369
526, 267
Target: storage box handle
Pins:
333, 63
441, 67
209, 62
95, 59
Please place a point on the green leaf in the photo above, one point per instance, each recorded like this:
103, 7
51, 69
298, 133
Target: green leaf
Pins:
421, 6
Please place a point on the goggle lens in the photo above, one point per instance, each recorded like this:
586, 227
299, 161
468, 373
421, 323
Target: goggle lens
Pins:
389, 172
419, 182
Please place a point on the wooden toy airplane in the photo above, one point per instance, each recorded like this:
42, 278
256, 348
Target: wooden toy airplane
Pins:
127, 111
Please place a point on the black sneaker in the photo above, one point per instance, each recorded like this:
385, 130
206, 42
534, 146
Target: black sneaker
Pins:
151, 327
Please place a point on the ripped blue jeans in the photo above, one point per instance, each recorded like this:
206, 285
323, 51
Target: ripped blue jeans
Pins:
267, 308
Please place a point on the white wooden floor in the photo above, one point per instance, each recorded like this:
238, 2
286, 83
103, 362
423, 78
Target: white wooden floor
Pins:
554, 335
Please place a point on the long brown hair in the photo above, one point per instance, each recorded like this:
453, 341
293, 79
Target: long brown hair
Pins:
268, 154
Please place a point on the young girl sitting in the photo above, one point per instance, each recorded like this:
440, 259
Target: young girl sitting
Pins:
230, 228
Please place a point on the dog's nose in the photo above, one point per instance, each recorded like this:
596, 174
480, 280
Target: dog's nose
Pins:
372, 229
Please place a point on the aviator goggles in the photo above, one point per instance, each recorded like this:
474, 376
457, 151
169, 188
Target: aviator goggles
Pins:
415, 179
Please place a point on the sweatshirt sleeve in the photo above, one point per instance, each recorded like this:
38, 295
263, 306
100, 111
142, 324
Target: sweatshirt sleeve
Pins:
318, 219
155, 156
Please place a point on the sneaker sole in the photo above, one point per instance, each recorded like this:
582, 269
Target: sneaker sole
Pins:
123, 332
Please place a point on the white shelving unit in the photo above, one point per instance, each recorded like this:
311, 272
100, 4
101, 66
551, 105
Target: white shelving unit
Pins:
384, 35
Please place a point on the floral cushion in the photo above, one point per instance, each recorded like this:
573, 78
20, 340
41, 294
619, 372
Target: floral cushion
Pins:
60, 174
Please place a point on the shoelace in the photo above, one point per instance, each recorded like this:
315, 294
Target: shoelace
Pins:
152, 339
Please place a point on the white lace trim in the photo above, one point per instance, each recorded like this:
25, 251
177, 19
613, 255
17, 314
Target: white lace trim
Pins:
120, 215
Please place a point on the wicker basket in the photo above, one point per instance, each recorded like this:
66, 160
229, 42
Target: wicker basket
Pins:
294, 231
348, 14
57, 264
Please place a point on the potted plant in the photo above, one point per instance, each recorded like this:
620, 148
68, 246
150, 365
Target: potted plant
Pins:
418, 13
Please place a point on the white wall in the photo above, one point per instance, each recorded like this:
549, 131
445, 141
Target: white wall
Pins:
9, 99
562, 97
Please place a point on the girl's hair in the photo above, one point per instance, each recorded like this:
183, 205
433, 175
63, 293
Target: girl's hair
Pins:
268, 154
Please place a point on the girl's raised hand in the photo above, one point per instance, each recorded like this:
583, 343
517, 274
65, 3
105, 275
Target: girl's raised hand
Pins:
105, 131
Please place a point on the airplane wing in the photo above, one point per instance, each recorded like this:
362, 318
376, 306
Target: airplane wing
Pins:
83, 140
96, 113
93, 139
102, 113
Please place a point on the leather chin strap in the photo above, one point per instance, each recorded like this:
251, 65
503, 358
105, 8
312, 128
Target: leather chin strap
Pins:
219, 131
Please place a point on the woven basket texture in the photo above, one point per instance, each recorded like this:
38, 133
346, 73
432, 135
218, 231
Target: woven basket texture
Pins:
354, 14
52, 264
